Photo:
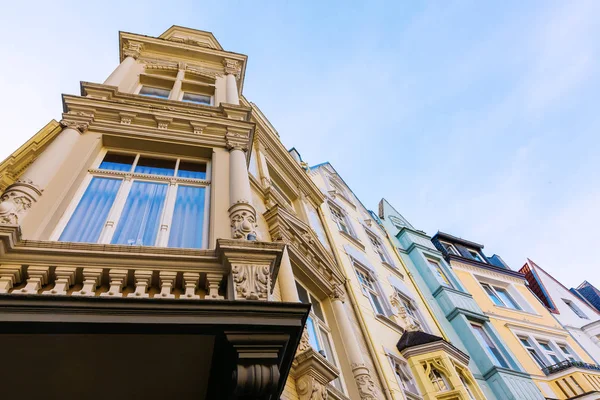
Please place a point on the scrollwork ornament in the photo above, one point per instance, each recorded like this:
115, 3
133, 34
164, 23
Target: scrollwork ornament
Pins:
132, 49
243, 222
251, 282
310, 389
77, 125
338, 293
366, 387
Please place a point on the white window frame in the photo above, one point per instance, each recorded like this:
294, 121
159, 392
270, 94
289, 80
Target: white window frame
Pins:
127, 180
479, 255
412, 310
552, 352
372, 289
450, 248
379, 248
402, 366
445, 280
340, 217
534, 351
576, 310
486, 346
494, 289
321, 328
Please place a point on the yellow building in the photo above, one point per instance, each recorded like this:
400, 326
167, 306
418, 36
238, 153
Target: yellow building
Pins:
560, 367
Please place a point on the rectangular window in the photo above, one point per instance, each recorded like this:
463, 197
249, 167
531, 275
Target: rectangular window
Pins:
533, 352
439, 274
575, 309
550, 353
189, 97
413, 312
475, 255
489, 345
449, 248
156, 92
378, 247
404, 377
566, 352
500, 296
340, 220
370, 289
133, 199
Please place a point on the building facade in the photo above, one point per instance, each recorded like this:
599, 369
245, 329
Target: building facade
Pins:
541, 346
415, 359
495, 368
588, 292
574, 313
156, 243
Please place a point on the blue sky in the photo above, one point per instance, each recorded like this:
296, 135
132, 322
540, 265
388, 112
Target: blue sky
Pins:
476, 118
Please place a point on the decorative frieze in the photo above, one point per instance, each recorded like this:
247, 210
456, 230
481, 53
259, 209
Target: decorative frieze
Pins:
37, 276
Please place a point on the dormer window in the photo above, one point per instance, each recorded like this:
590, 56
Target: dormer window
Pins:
475, 256
155, 92
449, 248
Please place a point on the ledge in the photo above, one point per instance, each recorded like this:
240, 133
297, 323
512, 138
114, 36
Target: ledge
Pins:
353, 240
389, 322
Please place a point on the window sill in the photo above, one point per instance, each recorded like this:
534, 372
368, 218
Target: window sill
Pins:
354, 240
390, 323
523, 312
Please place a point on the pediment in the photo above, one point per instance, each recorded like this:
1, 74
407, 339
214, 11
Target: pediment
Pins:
191, 36
304, 246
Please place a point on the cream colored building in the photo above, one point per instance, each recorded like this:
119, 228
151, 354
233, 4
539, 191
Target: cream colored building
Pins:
411, 353
157, 243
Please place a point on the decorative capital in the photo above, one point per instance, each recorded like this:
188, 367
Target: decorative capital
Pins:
236, 141
198, 127
338, 293
132, 49
127, 117
232, 67
80, 126
162, 122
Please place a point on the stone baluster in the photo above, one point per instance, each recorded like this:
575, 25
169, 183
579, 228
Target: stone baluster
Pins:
190, 282
37, 278
10, 275
118, 279
65, 278
362, 375
167, 281
91, 281
213, 281
142, 283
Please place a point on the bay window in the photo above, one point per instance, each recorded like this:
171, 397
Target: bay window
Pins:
489, 345
140, 200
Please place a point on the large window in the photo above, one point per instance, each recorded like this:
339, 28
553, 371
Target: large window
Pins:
533, 352
318, 331
575, 309
370, 289
489, 345
439, 273
340, 220
500, 296
197, 98
140, 200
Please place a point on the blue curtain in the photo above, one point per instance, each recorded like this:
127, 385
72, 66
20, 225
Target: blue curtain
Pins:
188, 217
89, 217
140, 219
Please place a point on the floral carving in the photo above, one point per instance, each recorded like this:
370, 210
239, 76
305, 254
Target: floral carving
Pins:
14, 204
311, 389
251, 282
366, 387
132, 49
304, 344
232, 67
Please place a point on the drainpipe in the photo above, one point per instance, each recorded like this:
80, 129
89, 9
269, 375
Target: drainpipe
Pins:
361, 322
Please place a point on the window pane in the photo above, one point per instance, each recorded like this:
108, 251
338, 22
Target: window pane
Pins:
191, 170
196, 98
540, 362
117, 162
491, 348
312, 334
302, 293
376, 303
493, 295
327, 345
439, 274
188, 218
317, 308
507, 299
155, 92
141, 215
475, 256
155, 166
89, 217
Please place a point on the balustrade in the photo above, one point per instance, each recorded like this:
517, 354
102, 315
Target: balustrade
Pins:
110, 282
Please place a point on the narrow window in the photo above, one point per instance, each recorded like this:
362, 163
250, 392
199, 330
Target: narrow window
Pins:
489, 345
438, 380
475, 255
439, 273
156, 92
533, 352
492, 294
506, 298
340, 221
189, 97
404, 377
370, 289
378, 247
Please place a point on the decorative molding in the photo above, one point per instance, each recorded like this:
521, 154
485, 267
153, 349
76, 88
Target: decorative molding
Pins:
127, 117
242, 218
338, 293
162, 122
237, 140
198, 127
16, 200
132, 49
251, 282
77, 125
365, 383
232, 67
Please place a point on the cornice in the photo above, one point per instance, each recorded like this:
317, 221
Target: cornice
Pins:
441, 345
305, 248
160, 48
534, 326
488, 270
14, 165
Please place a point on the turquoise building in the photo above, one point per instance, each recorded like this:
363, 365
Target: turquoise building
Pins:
496, 369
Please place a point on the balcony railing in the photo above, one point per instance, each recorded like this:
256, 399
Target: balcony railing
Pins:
564, 365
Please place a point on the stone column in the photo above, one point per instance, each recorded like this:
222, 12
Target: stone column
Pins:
287, 283
232, 71
20, 196
362, 375
176, 91
241, 212
124, 72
